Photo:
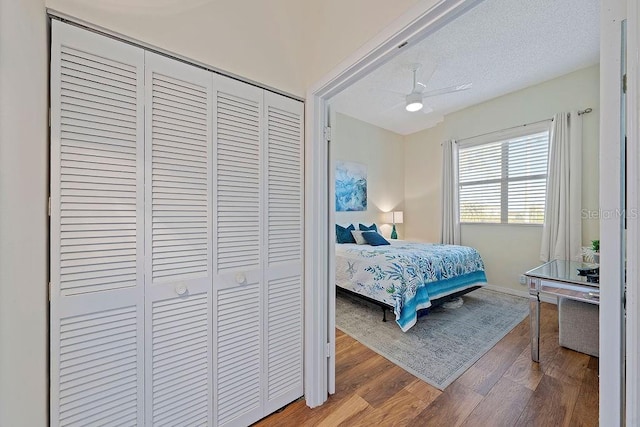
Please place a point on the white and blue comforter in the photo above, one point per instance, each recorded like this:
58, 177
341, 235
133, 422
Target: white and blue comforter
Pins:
408, 275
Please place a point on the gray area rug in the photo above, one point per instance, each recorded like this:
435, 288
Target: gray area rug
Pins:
444, 343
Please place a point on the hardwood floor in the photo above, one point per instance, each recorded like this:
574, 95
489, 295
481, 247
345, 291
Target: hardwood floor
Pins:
503, 388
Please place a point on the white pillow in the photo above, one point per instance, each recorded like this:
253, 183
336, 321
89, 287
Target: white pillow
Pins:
357, 235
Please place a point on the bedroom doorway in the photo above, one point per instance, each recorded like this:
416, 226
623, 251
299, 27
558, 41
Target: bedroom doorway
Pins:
365, 61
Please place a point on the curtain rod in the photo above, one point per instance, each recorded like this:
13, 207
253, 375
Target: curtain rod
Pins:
580, 112
502, 130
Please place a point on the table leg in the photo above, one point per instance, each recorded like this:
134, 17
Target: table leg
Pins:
534, 316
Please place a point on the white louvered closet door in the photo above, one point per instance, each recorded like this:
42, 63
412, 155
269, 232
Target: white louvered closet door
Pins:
178, 276
97, 174
238, 248
283, 352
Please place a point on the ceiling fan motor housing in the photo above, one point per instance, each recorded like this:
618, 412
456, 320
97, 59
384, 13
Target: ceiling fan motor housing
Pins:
414, 101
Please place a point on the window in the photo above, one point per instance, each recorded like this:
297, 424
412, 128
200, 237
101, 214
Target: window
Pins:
504, 181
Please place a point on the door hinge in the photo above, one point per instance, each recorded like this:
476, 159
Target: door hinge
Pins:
624, 83
49, 206
327, 133
49, 116
328, 350
49, 296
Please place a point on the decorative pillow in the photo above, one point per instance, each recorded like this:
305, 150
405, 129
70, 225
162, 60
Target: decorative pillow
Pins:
357, 235
374, 239
343, 234
372, 227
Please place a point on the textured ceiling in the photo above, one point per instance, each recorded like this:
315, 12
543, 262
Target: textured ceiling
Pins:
500, 46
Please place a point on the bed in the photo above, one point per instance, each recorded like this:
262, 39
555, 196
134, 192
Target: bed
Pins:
406, 276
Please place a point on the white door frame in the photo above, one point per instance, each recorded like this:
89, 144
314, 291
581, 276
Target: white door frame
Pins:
422, 19
613, 12
633, 222
425, 17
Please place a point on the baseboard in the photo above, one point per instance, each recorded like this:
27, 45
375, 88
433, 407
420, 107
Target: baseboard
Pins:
525, 294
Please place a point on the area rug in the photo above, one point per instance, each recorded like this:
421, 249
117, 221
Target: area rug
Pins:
445, 342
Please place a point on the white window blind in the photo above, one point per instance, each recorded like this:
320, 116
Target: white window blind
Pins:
504, 181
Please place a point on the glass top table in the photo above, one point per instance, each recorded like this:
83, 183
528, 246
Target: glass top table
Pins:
559, 278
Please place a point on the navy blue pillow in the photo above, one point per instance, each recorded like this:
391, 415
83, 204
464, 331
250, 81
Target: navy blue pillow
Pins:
343, 235
374, 239
363, 227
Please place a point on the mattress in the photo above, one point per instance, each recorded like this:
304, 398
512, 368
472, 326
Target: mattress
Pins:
408, 275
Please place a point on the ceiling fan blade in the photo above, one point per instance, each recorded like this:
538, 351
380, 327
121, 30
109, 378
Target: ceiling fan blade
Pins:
382, 89
426, 109
393, 107
450, 89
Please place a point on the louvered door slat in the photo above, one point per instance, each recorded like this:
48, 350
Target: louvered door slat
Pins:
284, 197
238, 119
283, 353
97, 295
238, 353
238, 284
178, 241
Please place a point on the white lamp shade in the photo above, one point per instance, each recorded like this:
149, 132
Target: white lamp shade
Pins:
397, 217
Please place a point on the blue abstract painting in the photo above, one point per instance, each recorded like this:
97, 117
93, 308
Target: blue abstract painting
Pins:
351, 186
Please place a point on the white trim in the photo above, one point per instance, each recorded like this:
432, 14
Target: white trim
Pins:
525, 294
632, 397
331, 300
316, 256
611, 363
424, 18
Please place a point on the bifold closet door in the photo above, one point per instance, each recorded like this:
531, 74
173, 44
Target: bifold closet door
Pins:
97, 205
258, 252
239, 249
178, 222
283, 305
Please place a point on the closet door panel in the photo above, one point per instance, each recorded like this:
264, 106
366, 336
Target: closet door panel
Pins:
284, 236
238, 283
178, 242
97, 295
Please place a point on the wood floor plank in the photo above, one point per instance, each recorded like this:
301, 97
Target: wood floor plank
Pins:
501, 407
568, 366
585, 413
482, 376
423, 391
524, 371
351, 356
551, 404
504, 384
451, 408
399, 410
349, 408
488, 370
388, 384
367, 370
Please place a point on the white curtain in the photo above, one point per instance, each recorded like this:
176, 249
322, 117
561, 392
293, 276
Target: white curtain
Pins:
450, 217
562, 231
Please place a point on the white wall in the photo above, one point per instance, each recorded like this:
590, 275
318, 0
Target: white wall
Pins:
259, 40
337, 28
23, 214
508, 250
383, 153
287, 44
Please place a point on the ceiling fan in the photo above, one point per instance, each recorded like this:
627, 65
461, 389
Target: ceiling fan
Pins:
413, 100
